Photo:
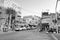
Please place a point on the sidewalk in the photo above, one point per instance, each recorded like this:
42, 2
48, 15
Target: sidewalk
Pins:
5, 32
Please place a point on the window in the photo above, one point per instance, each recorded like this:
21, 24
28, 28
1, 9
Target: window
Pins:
54, 21
0, 12
18, 16
45, 14
58, 18
59, 14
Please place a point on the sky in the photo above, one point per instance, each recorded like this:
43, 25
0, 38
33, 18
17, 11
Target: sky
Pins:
36, 7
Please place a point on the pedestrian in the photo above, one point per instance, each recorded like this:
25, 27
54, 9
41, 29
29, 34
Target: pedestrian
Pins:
39, 27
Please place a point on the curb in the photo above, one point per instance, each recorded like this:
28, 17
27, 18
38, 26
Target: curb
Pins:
54, 37
5, 32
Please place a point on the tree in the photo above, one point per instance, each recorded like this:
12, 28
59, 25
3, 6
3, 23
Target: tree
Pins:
11, 12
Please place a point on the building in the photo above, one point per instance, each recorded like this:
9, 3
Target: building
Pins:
53, 15
45, 17
33, 20
3, 16
49, 19
45, 14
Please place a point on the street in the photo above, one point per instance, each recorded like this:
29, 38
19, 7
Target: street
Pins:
57, 36
25, 35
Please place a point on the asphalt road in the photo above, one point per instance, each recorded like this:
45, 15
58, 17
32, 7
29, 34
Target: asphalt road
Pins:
57, 36
25, 35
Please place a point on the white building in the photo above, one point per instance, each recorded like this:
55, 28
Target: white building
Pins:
33, 20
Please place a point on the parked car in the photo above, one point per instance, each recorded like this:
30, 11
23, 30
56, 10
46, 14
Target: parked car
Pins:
28, 28
24, 28
52, 30
33, 27
20, 28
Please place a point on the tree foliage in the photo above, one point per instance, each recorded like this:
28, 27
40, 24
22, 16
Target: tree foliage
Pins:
10, 11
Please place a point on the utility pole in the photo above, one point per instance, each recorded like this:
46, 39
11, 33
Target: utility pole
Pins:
56, 12
56, 6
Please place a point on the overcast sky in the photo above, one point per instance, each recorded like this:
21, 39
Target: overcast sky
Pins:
35, 7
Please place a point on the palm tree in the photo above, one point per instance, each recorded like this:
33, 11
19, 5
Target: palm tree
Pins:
11, 12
